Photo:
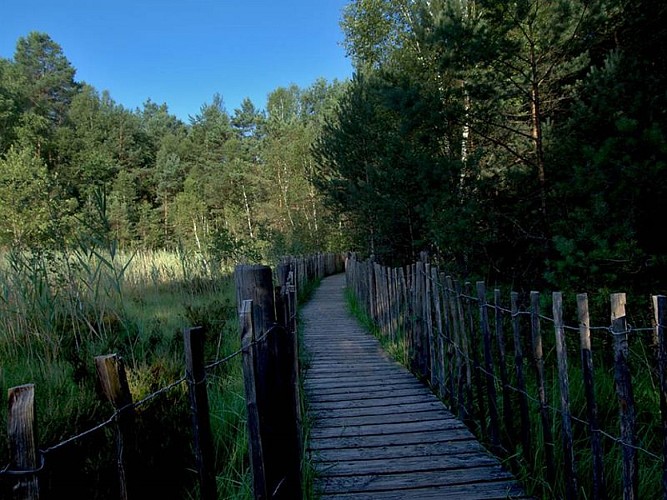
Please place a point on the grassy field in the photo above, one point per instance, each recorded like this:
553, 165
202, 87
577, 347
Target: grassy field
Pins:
59, 310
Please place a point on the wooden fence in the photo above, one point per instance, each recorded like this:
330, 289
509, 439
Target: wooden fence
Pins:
270, 366
489, 361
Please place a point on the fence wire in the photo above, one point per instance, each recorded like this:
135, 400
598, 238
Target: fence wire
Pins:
497, 381
113, 418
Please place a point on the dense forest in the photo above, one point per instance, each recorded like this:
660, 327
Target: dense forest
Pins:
522, 142
233, 185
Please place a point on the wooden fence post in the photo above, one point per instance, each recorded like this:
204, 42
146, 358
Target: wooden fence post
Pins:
599, 489
566, 422
494, 432
201, 423
249, 382
508, 416
274, 384
439, 340
520, 380
22, 436
625, 396
661, 327
111, 372
538, 360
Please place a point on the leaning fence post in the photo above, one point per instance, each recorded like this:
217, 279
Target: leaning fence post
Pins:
625, 396
111, 372
22, 435
599, 490
564, 383
201, 422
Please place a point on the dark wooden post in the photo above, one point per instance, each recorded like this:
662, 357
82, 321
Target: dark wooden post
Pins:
201, 422
22, 436
541, 386
520, 380
563, 379
439, 339
660, 302
508, 416
625, 396
274, 385
599, 489
494, 433
453, 350
249, 382
111, 372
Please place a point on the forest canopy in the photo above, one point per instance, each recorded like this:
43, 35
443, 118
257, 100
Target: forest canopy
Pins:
232, 184
520, 142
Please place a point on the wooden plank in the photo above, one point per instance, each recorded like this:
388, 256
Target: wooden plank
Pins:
430, 436
384, 418
377, 410
396, 451
393, 465
393, 482
496, 490
385, 428
388, 401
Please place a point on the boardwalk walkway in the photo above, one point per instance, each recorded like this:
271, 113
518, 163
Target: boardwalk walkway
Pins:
377, 432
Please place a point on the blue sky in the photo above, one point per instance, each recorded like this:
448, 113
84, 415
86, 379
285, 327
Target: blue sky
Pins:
182, 52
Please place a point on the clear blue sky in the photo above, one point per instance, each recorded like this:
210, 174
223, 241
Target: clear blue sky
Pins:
183, 51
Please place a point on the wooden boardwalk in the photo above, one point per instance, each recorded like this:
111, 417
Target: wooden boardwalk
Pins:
377, 432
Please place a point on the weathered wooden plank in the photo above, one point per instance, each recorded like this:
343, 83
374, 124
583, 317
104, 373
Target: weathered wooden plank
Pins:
389, 386
385, 428
377, 410
394, 465
389, 401
397, 451
384, 418
371, 394
393, 482
478, 491
431, 436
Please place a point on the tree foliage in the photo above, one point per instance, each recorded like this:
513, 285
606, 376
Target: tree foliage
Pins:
230, 185
521, 141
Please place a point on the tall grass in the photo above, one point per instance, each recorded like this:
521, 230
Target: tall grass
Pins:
60, 309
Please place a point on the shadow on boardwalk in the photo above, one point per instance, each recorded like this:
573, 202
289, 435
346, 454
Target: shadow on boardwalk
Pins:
377, 432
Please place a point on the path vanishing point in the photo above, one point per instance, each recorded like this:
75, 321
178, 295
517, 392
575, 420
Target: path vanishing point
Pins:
377, 432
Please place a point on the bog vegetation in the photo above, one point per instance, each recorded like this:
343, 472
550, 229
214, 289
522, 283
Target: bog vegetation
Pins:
518, 142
